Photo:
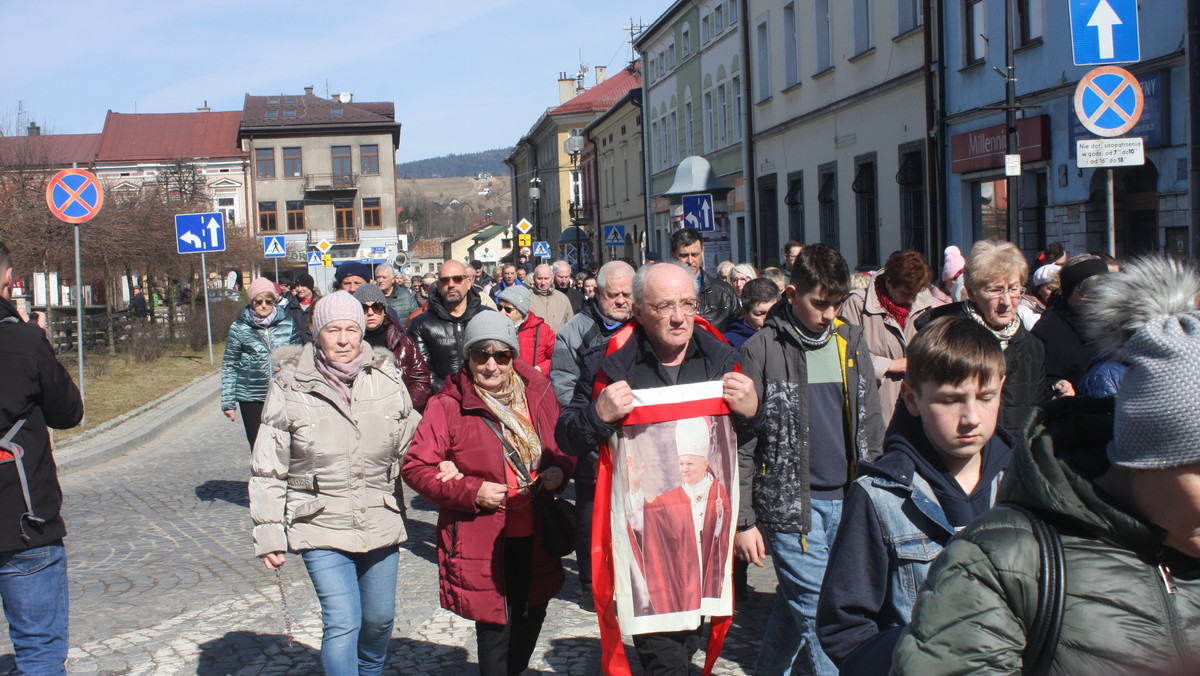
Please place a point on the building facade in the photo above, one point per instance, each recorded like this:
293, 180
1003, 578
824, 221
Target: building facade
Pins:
614, 189
323, 170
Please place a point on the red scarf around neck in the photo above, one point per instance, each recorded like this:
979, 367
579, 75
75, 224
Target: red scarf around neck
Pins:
895, 311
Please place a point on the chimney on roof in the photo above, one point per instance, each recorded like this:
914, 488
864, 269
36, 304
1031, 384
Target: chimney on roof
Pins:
566, 88
33, 130
308, 91
601, 73
204, 108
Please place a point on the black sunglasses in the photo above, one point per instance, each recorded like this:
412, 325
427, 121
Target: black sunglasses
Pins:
481, 357
373, 307
457, 279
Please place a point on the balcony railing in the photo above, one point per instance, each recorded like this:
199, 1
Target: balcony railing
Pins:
346, 234
313, 182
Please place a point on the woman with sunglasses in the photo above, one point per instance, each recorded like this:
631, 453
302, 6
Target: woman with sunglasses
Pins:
484, 450
261, 327
335, 427
536, 336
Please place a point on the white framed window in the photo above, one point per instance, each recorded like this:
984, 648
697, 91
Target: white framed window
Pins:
738, 120
791, 46
763, 43
1028, 21
685, 42
671, 56
654, 142
862, 26
821, 25
689, 129
723, 114
674, 127
731, 14
709, 123
718, 16
705, 30
908, 15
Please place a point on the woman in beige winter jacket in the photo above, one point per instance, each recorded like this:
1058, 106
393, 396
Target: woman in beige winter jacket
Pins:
887, 311
336, 424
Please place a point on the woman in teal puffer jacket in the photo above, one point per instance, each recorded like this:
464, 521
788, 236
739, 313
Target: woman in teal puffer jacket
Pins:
261, 327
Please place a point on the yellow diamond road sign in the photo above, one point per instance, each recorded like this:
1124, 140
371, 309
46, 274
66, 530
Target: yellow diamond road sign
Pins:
524, 226
324, 246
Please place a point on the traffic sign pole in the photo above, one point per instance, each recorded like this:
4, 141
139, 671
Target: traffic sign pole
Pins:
207, 310
78, 325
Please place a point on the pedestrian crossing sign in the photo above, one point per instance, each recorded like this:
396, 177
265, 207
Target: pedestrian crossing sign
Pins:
541, 249
314, 259
273, 247
614, 235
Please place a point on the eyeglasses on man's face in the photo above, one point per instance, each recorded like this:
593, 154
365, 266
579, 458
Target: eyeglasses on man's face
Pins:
502, 357
688, 306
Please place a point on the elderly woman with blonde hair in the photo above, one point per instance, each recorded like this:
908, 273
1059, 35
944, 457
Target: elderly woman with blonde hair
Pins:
994, 280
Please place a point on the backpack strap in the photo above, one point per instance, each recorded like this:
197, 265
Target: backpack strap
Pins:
1041, 635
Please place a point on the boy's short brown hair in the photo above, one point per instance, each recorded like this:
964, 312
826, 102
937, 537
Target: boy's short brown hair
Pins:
953, 350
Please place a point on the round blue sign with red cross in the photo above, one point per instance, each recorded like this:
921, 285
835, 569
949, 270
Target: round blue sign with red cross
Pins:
1109, 101
74, 195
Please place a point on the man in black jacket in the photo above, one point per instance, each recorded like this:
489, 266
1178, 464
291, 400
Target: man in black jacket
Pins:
562, 282
717, 300
37, 393
663, 350
439, 330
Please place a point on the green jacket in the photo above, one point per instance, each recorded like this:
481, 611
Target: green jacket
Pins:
246, 368
1132, 607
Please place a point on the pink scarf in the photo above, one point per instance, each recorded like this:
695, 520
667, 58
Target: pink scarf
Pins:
339, 375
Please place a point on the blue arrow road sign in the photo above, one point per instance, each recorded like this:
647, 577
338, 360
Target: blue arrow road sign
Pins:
1104, 31
541, 249
698, 212
199, 233
273, 247
614, 235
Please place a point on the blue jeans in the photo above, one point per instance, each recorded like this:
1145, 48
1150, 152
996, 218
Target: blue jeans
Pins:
358, 607
790, 641
33, 585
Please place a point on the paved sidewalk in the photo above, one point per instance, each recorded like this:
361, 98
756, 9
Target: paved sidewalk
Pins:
164, 581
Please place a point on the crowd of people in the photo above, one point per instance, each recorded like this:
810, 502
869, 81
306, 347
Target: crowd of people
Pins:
991, 467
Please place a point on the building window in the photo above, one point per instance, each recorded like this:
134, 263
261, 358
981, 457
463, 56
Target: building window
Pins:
862, 26
372, 213
723, 114
673, 126
718, 20
291, 100
343, 170
671, 56
335, 112
343, 220
737, 109
733, 12
289, 112
908, 15
911, 179
710, 130
763, 38
689, 129
768, 218
866, 211
821, 26
685, 42
791, 47
989, 209
625, 177
272, 100
827, 207
1029, 22
272, 114
705, 30
370, 159
292, 167
653, 140
794, 199
228, 208
295, 216
264, 162
975, 39
267, 217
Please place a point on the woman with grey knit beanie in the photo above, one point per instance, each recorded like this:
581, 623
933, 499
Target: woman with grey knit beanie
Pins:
335, 427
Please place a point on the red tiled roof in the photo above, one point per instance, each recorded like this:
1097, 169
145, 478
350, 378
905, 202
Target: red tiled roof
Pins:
54, 150
604, 95
312, 110
164, 136
430, 247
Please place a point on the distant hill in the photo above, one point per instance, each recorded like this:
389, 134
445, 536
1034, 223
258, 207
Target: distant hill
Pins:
470, 164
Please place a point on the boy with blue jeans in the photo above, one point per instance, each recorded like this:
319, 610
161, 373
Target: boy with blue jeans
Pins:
943, 460
819, 417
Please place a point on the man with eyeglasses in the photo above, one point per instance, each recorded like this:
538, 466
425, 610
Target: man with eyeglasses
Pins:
717, 300
383, 331
439, 330
548, 302
399, 298
594, 325
662, 350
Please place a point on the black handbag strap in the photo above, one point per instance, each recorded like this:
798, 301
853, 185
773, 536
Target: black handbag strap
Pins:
1041, 638
511, 453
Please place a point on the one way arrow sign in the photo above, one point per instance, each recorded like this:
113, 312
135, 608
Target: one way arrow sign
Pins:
1104, 31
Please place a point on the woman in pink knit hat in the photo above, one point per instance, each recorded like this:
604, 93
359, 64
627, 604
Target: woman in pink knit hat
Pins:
261, 327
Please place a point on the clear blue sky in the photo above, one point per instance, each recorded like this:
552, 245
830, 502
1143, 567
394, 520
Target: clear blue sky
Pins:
465, 75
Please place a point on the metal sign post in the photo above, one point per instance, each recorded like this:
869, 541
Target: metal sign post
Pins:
201, 233
207, 309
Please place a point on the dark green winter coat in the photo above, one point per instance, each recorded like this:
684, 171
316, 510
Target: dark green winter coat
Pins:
246, 369
1132, 607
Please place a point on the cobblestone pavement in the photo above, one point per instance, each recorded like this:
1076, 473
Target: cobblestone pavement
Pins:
164, 581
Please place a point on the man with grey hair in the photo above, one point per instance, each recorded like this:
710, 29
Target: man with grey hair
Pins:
662, 350
562, 282
549, 303
600, 318
399, 299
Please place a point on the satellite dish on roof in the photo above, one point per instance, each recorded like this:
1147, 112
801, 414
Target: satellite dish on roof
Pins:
344, 97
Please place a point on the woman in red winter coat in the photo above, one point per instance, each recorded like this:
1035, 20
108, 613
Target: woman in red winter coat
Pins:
536, 336
492, 557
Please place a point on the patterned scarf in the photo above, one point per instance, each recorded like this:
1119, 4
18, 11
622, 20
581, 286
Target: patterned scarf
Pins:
340, 375
1003, 335
808, 339
263, 322
511, 408
891, 307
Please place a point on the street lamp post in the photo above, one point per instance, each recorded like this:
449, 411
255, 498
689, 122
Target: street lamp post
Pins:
535, 194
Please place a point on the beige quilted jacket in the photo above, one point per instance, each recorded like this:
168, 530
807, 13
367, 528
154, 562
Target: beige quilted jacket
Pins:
324, 475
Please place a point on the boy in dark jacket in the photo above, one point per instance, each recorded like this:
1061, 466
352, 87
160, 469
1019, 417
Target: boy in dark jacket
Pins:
819, 418
943, 460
